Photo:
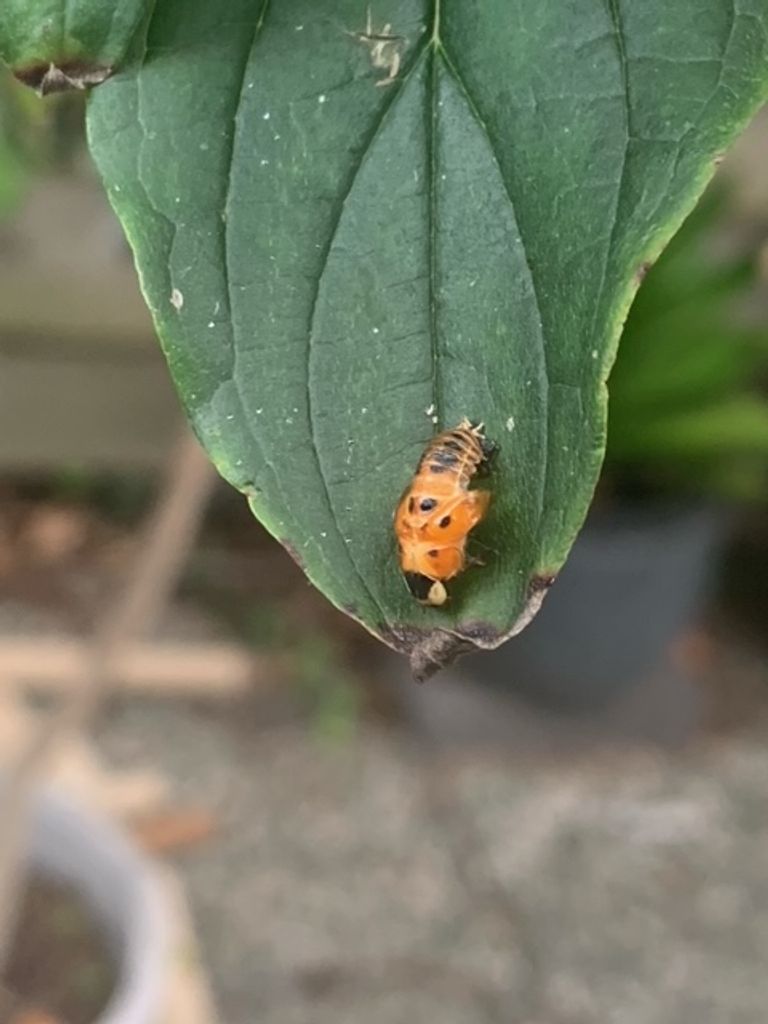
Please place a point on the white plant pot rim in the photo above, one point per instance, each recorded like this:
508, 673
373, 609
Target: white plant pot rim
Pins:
71, 843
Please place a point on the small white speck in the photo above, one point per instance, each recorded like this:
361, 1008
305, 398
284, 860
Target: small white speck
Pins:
510, 424
203, 145
299, 28
594, 353
364, 410
259, 412
239, 462
295, 409
276, 138
323, 533
177, 299
443, 177
211, 323
430, 409
322, 98
266, 115
250, 85
230, 415
217, 307
528, 383
375, 330
289, 420
177, 199
434, 420
193, 396
566, 448
264, 163
117, 188
473, 282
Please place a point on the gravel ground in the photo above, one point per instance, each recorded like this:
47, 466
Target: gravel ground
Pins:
383, 881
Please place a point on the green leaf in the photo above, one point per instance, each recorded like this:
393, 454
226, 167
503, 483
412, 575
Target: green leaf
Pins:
352, 235
67, 44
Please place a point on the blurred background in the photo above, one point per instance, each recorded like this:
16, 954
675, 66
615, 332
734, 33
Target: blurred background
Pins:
248, 812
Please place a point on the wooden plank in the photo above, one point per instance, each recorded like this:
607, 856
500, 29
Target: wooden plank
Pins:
162, 668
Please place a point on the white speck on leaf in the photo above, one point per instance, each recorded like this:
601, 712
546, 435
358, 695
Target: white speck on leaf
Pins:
510, 424
259, 412
211, 323
429, 411
594, 353
264, 163
230, 415
299, 28
364, 410
434, 420
375, 330
203, 145
177, 299
323, 533
322, 98
266, 115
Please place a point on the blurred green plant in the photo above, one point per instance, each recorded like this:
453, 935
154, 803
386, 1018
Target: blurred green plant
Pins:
35, 136
688, 409
324, 684
12, 162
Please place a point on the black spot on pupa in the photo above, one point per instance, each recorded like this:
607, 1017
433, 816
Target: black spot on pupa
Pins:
427, 504
436, 468
411, 504
444, 458
433, 553
445, 521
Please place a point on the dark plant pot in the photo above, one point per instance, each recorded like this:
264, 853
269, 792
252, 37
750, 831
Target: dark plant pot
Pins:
636, 579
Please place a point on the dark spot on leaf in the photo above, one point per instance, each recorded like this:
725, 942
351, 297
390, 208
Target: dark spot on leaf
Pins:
445, 521
540, 583
289, 547
434, 649
46, 78
427, 504
642, 270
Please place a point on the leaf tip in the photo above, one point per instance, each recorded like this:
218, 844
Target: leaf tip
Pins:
46, 78
432, 650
